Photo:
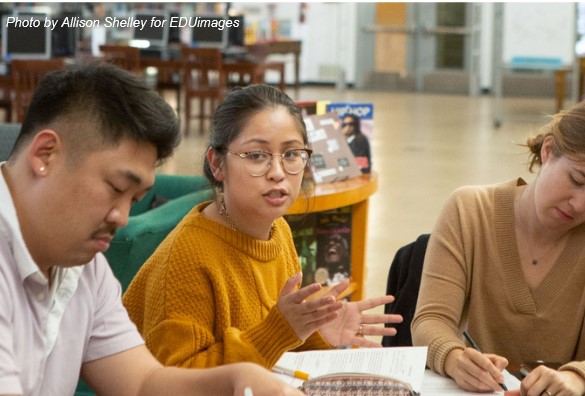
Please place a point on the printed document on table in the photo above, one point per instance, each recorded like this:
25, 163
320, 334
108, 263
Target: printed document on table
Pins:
436, 385
402, 363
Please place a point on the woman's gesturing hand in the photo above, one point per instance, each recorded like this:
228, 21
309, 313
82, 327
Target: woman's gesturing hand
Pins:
305, 317
351, 325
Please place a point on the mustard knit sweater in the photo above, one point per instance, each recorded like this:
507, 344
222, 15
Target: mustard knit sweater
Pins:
472, 279
207, 296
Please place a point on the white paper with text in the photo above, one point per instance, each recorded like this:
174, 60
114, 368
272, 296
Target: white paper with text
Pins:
402, 363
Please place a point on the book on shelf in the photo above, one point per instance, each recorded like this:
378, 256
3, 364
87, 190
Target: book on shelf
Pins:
305, 240
333, 236
323, 244
332, 159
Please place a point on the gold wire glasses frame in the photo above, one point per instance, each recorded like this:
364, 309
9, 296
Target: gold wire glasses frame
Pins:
258, 162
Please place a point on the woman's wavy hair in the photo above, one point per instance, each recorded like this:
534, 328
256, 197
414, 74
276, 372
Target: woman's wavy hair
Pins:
567, 130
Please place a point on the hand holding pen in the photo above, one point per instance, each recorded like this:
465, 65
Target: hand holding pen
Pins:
476, 347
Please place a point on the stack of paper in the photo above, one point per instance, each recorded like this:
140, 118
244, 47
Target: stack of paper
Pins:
437, 385
402, 363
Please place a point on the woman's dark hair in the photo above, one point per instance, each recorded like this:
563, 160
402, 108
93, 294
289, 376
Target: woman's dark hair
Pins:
100, 104
567, 130
238, 107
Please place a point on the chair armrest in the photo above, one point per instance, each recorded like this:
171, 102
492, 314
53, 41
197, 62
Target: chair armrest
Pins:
133, 244
169, 187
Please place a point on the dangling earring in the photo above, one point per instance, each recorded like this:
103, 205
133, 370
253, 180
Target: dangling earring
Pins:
220, 203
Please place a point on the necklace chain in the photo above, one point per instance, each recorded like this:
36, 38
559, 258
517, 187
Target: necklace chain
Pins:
524, 229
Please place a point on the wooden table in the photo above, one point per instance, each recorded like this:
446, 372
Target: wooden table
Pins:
559, 73
560, 83
255, 70
354, 192
560, 87
281, 46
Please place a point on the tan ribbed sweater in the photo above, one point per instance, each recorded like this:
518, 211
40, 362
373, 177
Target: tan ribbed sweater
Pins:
472, 279
207, 296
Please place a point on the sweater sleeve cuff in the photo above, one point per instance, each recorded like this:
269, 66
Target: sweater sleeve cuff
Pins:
576, 367
315, 342
272, 337
438, 358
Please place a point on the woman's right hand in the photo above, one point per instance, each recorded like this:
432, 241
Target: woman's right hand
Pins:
306, 317
474, 371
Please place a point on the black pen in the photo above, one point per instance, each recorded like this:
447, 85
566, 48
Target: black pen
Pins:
476, 347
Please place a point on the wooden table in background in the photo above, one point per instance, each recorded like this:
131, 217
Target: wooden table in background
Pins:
280, 46
255, 70
354, 192
560, 87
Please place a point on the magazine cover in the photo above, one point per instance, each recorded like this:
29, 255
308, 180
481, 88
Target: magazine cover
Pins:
357, 124
333, 231
365, 111
304, 237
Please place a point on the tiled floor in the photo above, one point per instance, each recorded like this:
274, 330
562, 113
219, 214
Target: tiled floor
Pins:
423, 147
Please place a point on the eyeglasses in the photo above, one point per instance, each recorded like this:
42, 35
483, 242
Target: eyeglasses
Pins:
343, 125
258, 162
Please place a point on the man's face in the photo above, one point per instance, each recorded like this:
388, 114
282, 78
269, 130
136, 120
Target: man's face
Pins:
86, 202
336, 250
348, 126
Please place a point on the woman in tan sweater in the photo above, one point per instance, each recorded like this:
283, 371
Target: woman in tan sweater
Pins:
223, 286
507, 263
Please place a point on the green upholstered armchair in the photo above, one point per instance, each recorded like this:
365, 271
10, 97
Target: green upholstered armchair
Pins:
148, 226
8, 134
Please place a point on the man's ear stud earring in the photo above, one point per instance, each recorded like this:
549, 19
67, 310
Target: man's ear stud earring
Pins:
42, 169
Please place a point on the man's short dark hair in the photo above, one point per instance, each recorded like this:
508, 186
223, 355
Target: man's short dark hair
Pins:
109, 103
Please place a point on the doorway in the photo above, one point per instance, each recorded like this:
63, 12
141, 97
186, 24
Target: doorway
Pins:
429, 47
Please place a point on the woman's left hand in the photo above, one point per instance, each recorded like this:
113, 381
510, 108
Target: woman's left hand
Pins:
350, 327
549, 382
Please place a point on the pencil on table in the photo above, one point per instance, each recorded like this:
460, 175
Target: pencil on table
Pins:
291, 373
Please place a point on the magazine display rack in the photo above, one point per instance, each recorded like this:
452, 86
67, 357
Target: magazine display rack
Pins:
354, 193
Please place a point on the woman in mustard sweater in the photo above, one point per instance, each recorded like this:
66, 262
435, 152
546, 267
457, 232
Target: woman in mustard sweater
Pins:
224, 285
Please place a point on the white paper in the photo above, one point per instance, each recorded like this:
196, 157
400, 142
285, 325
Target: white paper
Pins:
437, 385
402, 363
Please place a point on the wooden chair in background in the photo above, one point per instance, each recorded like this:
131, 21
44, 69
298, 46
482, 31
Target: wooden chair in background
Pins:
308, 107
581, 77
260, 53
123, 56
169, 76
203, 79
6, 91
26, 74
